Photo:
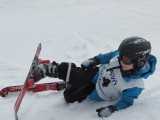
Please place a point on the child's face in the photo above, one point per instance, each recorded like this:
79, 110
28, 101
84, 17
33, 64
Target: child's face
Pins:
126, 63
126, 67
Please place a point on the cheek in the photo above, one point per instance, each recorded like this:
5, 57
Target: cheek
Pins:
126, 67
130, 66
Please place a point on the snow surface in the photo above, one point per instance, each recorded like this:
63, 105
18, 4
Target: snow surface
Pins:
72, 31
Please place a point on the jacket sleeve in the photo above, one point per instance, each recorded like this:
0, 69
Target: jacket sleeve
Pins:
105, 58
128, 98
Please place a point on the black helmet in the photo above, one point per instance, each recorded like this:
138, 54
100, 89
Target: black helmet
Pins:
136, 48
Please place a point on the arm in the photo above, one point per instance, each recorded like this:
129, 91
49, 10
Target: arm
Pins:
128, 98
105, 58
99, 59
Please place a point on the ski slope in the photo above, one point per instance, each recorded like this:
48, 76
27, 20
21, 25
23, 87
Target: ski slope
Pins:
73, 31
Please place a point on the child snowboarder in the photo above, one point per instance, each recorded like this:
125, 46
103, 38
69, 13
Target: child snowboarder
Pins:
117, 75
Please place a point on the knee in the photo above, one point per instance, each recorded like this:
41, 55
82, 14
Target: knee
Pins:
68, 94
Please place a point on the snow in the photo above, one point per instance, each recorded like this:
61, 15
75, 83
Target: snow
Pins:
73, 31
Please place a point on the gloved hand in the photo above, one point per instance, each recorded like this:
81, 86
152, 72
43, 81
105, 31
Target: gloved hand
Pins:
90, 63
106, 111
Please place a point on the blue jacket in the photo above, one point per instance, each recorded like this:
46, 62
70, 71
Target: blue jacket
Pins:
128, 95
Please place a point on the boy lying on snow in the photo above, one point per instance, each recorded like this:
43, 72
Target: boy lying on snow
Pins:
119, 75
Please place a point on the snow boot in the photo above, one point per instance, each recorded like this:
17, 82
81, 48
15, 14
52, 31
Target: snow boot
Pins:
43, 70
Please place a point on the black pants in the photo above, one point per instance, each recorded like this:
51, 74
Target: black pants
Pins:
80, 82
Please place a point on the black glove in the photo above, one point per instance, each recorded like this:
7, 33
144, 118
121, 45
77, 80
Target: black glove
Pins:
106, 111
90, 63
